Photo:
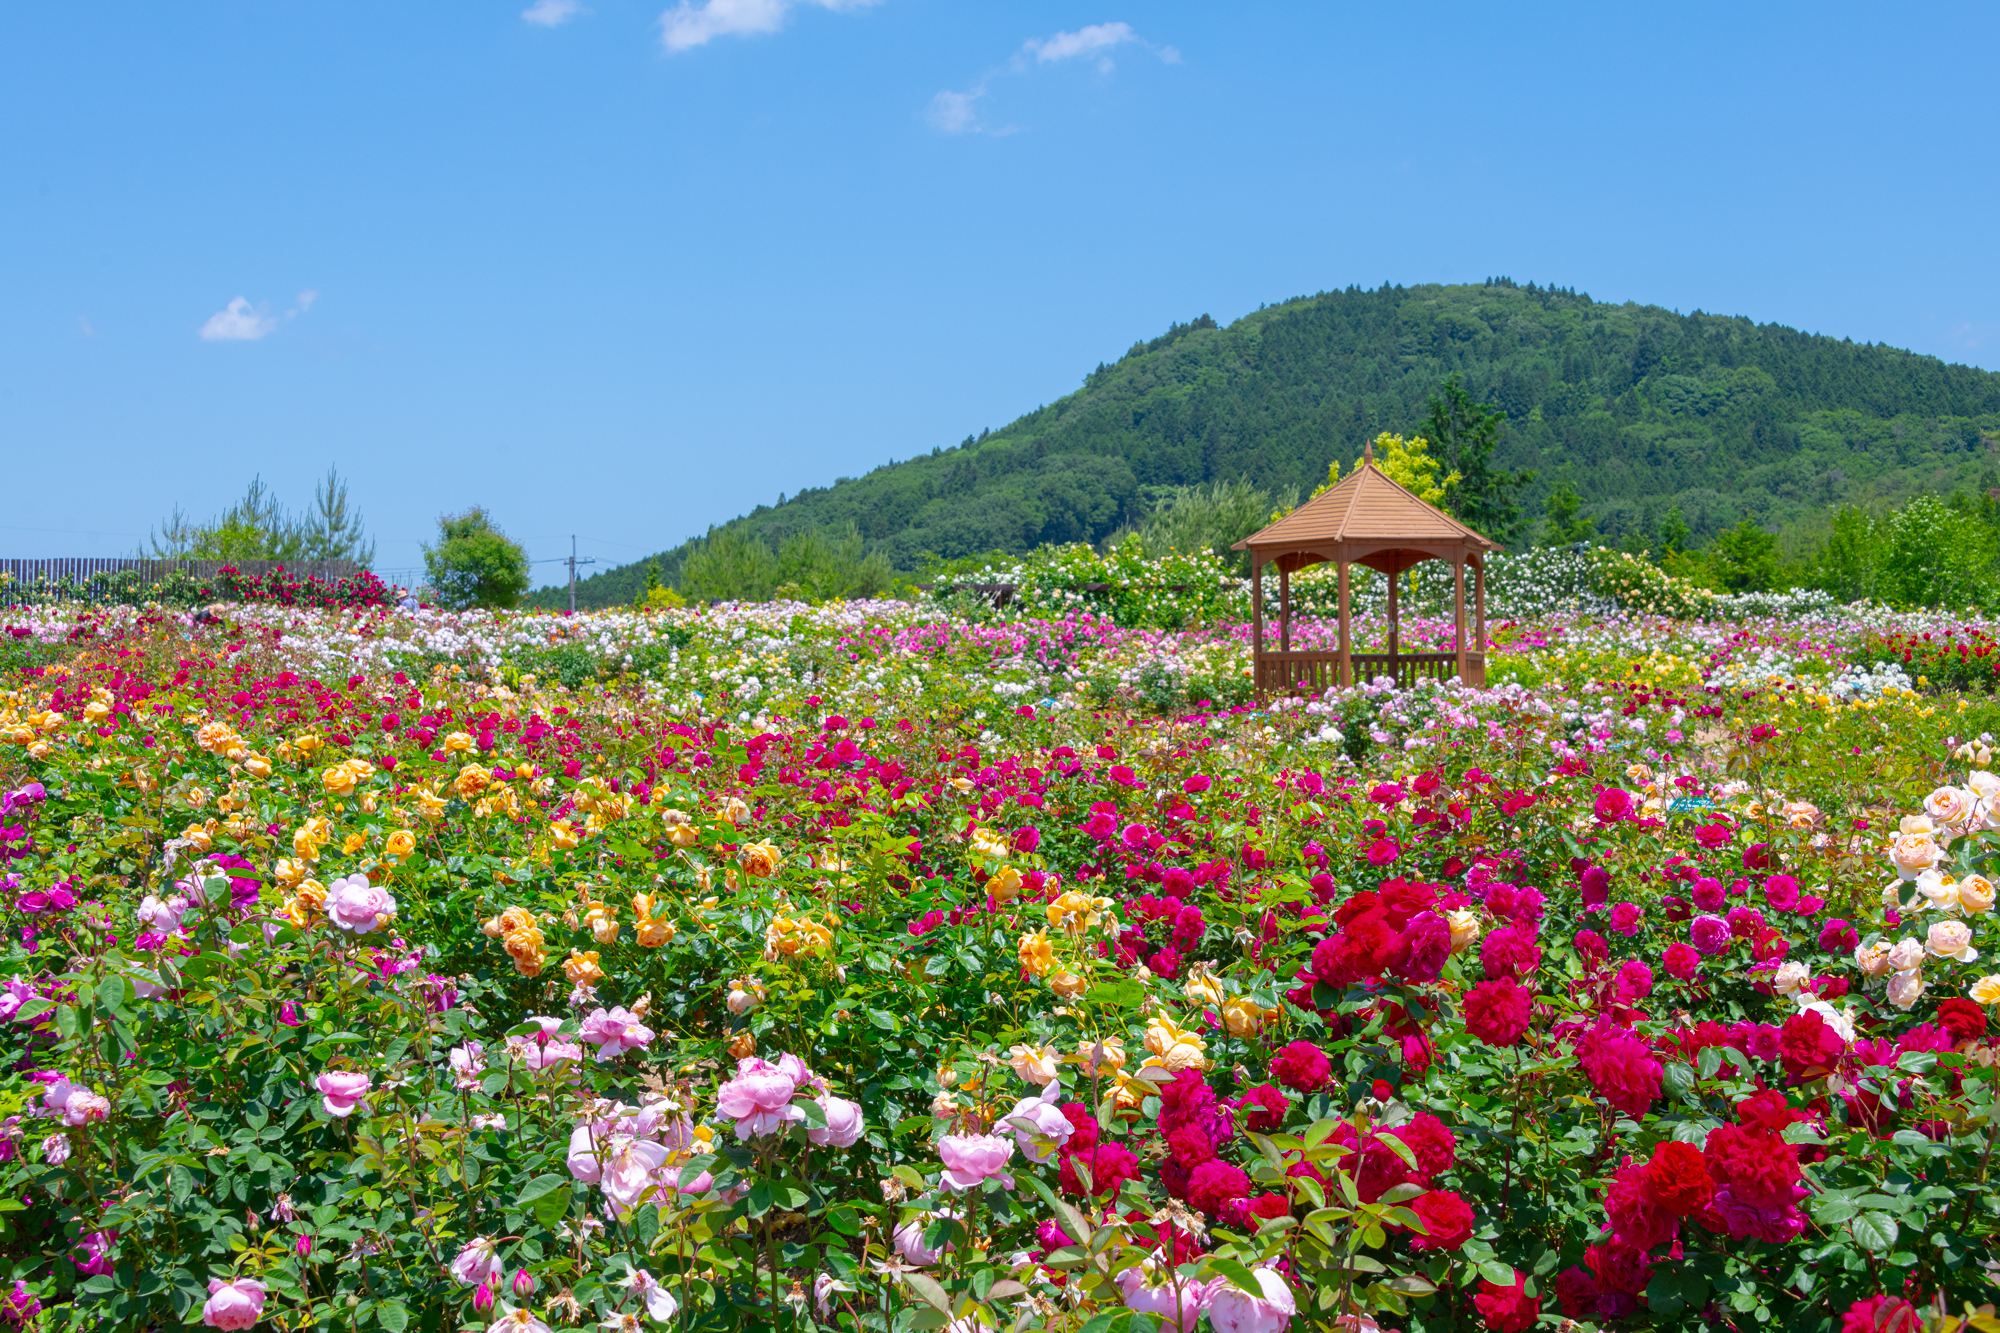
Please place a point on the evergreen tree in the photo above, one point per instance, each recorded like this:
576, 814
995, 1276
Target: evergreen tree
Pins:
1465, 434
1566, 525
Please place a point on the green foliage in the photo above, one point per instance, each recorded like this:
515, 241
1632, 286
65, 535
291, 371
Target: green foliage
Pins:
1651, 411
474, 563
812, 564
1743, 559
1565, 526
1210, 518
258, 528
656, 595
1465, 434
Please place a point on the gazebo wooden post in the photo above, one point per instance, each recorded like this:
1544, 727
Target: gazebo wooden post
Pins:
1284, 608
1479, 602
1257, 620
1458, 613
1346, 664
1394, 630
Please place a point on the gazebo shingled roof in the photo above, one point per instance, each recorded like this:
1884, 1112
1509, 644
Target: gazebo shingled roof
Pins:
1366, 519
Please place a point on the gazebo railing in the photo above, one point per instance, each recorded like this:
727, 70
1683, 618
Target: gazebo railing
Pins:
1318, 672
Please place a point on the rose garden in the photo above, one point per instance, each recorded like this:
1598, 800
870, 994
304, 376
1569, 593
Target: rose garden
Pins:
893, 966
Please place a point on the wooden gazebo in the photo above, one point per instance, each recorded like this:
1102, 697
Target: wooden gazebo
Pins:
1366, 519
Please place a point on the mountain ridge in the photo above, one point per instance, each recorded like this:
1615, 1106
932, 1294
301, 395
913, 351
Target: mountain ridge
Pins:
1638, 407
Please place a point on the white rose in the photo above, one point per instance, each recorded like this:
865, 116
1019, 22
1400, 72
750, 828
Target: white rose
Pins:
1905, 988
1790, 977
1905, 954
1951, 939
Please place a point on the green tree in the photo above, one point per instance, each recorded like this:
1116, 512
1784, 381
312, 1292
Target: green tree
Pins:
818, 566
1465, 434
257, 527
1846, 565
1566, 525
474, 563
730, 566
1209, 518
656, 595
1743, 559
1935, 556
1673, 533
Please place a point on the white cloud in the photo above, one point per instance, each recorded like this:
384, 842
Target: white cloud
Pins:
237, 322
688, 24
953, 112
957, 113
1082, 42
306, 299
553, 13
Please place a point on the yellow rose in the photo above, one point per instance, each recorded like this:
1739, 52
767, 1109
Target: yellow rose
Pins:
603, 923
1036, 953
400, 844
734, 812
1464, 930
311, 895
683, 835
1986, 990
1975, 893
458, 742
563, 835
471, 780
1244, 1017
653, 932
353, 843
1068, 985
1005, 885
257, 766
307, 743
1177, 1048
430, 804
582, 968
1097, 1056
1202, 987
1035, 1064
760, 860
288, 872
743, 1045
338, 780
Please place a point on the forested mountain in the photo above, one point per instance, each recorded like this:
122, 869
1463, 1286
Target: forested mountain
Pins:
1638, 408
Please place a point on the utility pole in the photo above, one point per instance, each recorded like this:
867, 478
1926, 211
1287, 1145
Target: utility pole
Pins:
573, 562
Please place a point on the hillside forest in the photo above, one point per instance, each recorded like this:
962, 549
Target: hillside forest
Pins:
1639, 426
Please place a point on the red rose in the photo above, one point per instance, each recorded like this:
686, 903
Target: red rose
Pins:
1620, 1067
1965, 1020
1301, 1066
1881, 1314
1215, 1184
1758, 1167
1507, 1309
1613, 804
1677, 1178
1383, 852
1636, 1219
1447, 1220
1808, 1046
1497, 1012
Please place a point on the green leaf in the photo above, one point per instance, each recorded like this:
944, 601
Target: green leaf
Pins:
926, 1287
1875, 1231
1499, 1274
883, 1019
552, 1206
392, 1316
1238, 1275
536, 1188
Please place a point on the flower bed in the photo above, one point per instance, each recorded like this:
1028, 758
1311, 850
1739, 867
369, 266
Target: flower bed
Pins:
857, 967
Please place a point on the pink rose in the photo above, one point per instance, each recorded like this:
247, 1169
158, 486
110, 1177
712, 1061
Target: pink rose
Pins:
972, 1159
238, 1304
759, 1098
341, 1092
843, 1123
354, 904
477, 1264
909, 1239
1176, 1302
615, 1032
1232, 1310
74, 1103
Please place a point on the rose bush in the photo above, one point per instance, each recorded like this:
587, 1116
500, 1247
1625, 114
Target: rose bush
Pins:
852, 969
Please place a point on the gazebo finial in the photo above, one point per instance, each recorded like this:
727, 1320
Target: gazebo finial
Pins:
1368, 451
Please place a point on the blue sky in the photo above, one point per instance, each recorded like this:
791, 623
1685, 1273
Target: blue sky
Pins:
625, 270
